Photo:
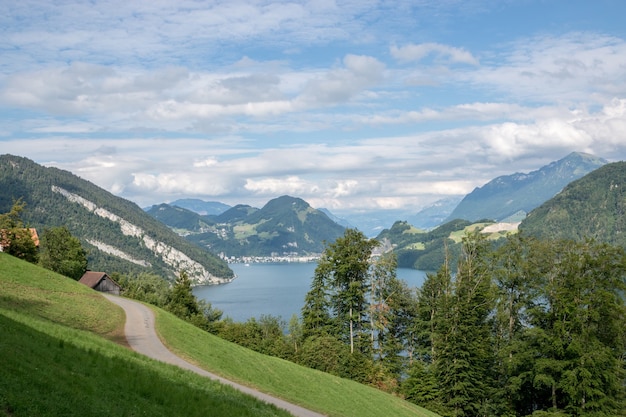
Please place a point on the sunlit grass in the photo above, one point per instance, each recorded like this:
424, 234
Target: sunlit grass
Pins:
54, 364
309, 388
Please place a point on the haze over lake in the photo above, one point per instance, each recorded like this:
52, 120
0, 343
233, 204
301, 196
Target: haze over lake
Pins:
276, 289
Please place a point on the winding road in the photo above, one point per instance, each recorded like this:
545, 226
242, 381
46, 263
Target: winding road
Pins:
142, 338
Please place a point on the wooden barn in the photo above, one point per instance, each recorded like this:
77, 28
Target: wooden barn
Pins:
100, 281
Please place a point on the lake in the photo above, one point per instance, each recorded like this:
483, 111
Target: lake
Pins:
276, 289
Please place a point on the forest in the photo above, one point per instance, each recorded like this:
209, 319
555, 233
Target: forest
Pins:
530, 327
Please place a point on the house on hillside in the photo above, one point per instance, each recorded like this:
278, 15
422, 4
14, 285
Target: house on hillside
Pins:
100, 281
5, 239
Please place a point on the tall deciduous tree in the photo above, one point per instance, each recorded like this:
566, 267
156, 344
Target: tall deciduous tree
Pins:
61, 252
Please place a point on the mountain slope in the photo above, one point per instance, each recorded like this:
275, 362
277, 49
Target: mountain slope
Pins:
204, 208
119, 236
436, 213
181, 219
591, 207
285, 226
518, 194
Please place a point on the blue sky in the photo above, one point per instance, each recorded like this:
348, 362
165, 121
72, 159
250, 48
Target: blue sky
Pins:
351, 105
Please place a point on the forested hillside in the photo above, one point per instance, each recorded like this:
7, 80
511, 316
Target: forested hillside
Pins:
427, 250
118, 235
285, 226
591, 207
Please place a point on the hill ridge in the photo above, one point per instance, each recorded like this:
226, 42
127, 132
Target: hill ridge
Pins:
118, 235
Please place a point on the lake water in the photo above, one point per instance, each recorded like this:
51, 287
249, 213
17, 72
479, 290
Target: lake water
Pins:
276, 289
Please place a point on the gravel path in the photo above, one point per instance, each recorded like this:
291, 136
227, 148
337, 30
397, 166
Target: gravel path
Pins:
142, 338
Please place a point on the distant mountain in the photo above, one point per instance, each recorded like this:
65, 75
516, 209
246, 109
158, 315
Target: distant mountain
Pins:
285, 226
372, 222
239, 213
436, 213
200, 206
340, 221
180, 219
119, 235
517, 194
591, 207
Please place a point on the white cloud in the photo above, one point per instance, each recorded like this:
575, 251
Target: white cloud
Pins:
572, 67
445, 53
242, 101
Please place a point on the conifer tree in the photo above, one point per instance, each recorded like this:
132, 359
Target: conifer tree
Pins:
181, 300
463, 356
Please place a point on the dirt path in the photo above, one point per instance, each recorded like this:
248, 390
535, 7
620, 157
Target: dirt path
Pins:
142, 338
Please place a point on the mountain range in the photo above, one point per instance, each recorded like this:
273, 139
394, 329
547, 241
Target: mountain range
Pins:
591, 207
122, 237
118, 235
511, 197
285, 226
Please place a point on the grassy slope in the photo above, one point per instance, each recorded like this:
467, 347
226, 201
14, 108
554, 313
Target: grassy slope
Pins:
48, 324
54, 360
309, 388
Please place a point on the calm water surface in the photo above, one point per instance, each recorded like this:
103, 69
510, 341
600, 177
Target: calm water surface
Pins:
272, 289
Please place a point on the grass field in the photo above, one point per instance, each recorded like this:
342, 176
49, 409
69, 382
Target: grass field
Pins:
59, 359
306, 387
56, 362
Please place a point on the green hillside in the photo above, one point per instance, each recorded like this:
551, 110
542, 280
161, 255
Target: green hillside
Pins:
59, 358
181, 220
116, 232
591, 207
285, 226
426, 250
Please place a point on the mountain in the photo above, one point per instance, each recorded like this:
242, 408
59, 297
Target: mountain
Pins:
285, 226
200, 206
118, 235
181, 220
436, 213
339, 220
591, 207
427, 250
512, 196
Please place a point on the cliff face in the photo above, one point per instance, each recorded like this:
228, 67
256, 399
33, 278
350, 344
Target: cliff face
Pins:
171, 256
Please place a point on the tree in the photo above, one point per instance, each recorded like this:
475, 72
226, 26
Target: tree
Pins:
339, 291
393, 310
17, 239
181, 300
61, 252
316, 316
577, 329
454, 333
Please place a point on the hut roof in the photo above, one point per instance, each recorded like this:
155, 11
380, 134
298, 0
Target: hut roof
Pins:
93, 278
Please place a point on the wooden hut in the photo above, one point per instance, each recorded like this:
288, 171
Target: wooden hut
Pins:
100, 281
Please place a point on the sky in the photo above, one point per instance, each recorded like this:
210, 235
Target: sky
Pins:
354, 106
